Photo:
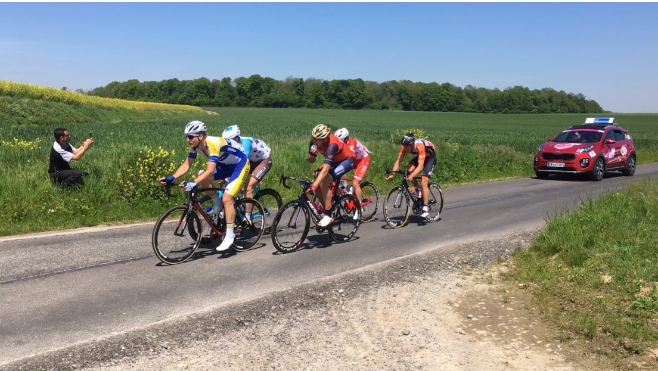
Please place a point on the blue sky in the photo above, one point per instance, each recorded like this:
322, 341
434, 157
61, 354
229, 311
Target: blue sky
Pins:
606, 51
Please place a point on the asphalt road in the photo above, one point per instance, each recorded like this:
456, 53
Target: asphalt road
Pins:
65, 288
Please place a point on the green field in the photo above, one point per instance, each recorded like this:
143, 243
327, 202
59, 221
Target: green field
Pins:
128, 157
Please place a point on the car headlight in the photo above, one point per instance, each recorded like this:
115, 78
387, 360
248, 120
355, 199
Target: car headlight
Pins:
585, 149
540, 148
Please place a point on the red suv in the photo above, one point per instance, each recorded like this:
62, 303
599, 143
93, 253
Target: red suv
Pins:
598, 146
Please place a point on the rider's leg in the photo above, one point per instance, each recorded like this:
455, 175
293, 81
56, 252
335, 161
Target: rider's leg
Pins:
258, 171
425, 181
361, 166
232, 188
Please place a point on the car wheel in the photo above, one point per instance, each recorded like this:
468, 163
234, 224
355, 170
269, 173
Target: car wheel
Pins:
629, 170
599, 170
541, 175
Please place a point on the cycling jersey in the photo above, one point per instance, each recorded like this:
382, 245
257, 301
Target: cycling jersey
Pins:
335, 151
360, 151
421, 147
230, 159
255, 149
221, 151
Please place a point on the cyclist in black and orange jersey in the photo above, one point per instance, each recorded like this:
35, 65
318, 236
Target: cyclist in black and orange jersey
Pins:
424, 161
338, 160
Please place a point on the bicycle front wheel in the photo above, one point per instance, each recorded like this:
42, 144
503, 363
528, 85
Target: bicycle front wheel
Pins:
397, 207
248, 231
290, 226
171, 240
369, 201
434, 203
347, 218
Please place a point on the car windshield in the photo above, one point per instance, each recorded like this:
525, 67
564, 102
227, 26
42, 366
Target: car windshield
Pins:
578, 136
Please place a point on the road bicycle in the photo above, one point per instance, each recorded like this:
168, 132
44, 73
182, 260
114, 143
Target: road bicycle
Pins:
400, 201
293, 220
178, 232
369, 198
269, 198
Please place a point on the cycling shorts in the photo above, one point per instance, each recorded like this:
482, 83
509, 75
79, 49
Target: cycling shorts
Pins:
236, 174
260, 168
428, 167
361, 166
338, 170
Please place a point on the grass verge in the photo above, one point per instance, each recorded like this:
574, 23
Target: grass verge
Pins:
593, 271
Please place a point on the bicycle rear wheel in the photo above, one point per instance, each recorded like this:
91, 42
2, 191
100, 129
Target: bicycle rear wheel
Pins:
369, 201
248, 232
271, 201
171, 240
435, 203
290, 226
347, 218
397, 207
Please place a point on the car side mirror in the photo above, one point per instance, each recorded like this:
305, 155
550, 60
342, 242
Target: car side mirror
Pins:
609, 141
550, 140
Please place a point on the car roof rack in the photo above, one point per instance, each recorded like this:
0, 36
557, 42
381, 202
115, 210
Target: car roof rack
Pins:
600, 121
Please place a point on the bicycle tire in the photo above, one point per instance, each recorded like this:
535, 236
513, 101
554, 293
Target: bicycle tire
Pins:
400, 196
369, 210
268, 206
247, 232
165, 245
287, 214
435, 202
346, 208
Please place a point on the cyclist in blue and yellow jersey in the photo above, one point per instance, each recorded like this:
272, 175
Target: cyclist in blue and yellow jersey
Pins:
338, 160
259, 156
423, 162
226, 159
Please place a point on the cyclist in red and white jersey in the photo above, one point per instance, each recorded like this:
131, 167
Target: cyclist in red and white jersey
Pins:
424, 162
361, 160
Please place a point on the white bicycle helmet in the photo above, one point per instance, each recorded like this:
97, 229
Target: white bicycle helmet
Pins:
231, 132
195, 127
320, 132
342, 133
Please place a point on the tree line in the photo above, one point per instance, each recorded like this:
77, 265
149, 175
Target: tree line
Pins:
257, 91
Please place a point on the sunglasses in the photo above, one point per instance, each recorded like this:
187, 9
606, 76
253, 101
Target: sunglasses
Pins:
190, 137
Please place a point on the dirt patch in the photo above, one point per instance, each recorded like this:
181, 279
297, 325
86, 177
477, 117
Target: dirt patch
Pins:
450, 321
445, 309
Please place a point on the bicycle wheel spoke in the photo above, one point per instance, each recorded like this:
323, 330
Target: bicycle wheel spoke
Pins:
369, 201
347, 218
396, 207
171, 240
247, 232
290, 227
435, 202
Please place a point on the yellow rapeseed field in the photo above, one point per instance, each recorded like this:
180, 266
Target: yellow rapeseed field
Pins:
21, 90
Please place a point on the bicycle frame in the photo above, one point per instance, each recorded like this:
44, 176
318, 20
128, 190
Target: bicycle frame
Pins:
195, 203
304, 201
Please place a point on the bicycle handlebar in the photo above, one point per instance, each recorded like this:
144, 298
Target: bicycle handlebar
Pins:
304, 182
193, 192
401, 172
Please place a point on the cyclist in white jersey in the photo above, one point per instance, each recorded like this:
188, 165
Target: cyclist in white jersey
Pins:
226, 159
260, 160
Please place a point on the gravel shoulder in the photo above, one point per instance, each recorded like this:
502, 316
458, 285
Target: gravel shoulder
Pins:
444, 309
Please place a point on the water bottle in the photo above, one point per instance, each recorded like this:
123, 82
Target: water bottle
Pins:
343, 186
318, 207
412, 190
